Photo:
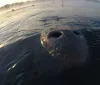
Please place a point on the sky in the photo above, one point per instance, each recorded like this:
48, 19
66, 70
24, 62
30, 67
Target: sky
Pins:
3, 2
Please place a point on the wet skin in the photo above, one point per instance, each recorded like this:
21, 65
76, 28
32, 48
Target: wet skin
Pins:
63, 57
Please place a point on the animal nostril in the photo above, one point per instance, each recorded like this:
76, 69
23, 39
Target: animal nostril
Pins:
76, 32
55, 34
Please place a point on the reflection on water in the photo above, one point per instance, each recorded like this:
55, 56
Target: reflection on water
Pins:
27, 20
2, 45
12, 67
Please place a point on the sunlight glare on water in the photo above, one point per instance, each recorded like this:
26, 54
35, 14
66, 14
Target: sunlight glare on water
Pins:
3, 2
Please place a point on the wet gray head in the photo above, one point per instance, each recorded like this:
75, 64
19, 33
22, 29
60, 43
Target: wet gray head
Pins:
70, 46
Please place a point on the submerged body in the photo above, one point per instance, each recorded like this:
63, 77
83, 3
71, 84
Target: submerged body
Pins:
29, 62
